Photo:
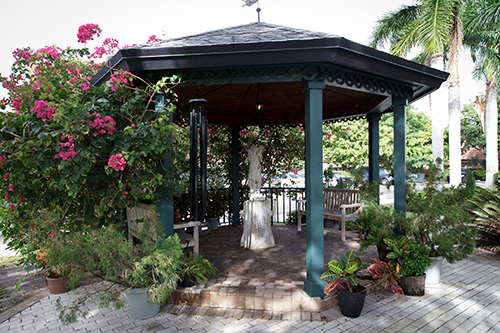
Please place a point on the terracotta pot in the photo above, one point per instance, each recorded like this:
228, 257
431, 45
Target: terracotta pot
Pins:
413, 285
58, 285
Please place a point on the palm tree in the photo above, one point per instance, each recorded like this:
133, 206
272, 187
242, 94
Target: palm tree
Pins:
482, 21
435, 27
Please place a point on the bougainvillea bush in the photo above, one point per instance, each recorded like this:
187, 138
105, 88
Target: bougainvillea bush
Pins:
80, 152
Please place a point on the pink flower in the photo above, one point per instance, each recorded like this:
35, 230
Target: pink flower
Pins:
102, 126
67, 152
31, 227
125, 193
11, 187
7, 197
86, 32
51, 234
2, 160
43, 110
153, 39
117, 162
6, 176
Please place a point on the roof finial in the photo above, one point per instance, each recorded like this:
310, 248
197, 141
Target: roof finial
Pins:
250, 3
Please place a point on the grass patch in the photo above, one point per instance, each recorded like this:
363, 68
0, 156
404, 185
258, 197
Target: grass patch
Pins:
9, 261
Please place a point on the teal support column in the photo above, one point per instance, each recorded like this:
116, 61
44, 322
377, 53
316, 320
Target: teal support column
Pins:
399, 104
313, 285
374, 150
165, 206
235, 170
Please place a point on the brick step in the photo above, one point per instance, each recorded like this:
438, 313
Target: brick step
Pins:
256, 299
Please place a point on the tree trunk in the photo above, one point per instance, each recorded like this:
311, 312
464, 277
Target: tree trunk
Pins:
439, 114
455, 143
491, 133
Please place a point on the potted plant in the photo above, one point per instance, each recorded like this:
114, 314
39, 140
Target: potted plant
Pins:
56, 275
385, 277
195, 269
342, 276
147, 272
410, 260
438, 218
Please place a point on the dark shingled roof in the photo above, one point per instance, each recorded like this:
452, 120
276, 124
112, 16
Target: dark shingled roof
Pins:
249, 33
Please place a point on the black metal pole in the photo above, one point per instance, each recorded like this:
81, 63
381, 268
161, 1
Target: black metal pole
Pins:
203, 165
193, 158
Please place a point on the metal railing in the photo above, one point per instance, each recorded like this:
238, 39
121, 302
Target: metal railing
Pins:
283, 202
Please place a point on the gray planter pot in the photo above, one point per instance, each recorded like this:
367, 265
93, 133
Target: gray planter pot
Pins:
433, 271
214, 222
138, 304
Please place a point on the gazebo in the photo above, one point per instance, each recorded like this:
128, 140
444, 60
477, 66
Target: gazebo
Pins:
302, 77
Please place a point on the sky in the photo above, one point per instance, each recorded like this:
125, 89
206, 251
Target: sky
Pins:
37, 23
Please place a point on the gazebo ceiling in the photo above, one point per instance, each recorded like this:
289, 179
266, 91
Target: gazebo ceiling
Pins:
233, 68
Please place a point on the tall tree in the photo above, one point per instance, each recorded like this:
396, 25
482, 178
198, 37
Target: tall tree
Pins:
482, 21
434, 27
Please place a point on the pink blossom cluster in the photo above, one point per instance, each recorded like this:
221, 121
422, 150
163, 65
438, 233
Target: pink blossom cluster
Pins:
108, 47
22, 54
44, 110
117, 78
102, 125
52, 51
117, 162
2, 160
17, 103
86, 32
153, 39
6, 176
67, 152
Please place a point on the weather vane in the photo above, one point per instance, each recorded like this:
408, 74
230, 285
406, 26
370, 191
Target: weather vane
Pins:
250, 3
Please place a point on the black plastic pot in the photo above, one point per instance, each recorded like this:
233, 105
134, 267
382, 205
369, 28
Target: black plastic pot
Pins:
351, 304
186, 282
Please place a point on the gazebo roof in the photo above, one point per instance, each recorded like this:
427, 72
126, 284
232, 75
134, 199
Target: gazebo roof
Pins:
233, 68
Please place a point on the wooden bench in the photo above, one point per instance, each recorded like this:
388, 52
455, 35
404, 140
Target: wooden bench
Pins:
338, 204
147, 213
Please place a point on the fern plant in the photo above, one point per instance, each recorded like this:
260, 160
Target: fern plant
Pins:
485, 211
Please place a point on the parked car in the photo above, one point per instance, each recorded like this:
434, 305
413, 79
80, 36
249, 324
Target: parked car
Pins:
384, 176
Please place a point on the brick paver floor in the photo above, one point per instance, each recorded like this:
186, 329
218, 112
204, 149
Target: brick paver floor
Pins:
466, 300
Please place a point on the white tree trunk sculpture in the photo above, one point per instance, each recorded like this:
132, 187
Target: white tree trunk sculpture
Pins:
491, 133
455, 143
439, 114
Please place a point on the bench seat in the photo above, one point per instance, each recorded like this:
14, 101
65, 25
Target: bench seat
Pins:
338, 204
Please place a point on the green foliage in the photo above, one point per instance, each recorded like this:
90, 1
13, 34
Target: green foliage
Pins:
346, 143
106, 253
9, 261
408, 256
342, 273
197, 268
485, 211
438, 218
56, 148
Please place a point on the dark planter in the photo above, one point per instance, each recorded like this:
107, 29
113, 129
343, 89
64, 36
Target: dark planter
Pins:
214, 223
58, 285
186, 282
413, 285
351, 304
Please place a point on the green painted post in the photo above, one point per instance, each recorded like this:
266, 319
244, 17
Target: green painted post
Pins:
235, 180
399, 104
373, 150
165, 206
313, 285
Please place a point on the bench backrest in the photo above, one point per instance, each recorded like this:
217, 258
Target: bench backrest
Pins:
333, 198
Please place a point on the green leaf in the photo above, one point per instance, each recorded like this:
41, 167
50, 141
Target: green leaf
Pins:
336, 267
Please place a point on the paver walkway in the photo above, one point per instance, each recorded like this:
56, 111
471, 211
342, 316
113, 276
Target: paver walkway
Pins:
466, 300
